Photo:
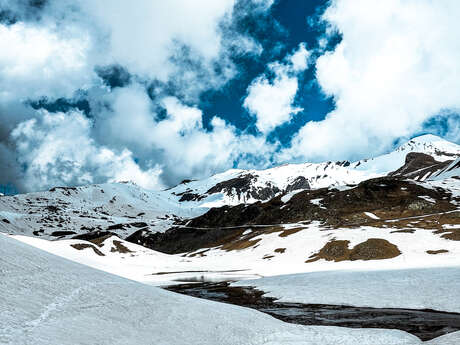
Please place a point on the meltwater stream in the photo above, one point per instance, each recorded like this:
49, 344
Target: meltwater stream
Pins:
425, 324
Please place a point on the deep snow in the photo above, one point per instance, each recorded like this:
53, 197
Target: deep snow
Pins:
48, 300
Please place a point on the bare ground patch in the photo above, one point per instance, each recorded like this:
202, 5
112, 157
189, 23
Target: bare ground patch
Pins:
240, 244
81, 246
288, 232
372, 249
439, 251
120, 248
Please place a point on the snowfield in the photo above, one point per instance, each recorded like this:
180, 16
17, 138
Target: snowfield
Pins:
262, 259
49, 300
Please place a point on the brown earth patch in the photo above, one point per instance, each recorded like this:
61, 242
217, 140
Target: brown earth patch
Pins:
81, 246
332, 251
453, 235
408, 231
372, 249
280, 250
120, 248
288, 232
268, 256
439, 251
239, 245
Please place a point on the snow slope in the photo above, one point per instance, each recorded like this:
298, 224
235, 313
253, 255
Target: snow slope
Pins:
49, 300
268, 254
440, 149
92, 207
452, 170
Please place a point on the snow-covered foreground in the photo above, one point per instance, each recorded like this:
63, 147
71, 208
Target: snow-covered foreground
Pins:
427, 288
48, 300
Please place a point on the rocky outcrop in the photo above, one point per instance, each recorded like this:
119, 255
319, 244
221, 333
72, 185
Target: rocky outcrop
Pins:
244, 187
418, 165
389, 197
180, 240
299, 183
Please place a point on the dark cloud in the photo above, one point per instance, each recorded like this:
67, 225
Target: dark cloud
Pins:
114, 76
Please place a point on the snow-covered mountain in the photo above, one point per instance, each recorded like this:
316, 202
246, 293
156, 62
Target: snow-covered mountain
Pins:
126, 208
248, 186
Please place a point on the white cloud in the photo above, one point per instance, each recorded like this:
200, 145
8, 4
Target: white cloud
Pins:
397, 65
180, 47
178, 140
56, 149
35, 61
142, 35
271, 102
299, 59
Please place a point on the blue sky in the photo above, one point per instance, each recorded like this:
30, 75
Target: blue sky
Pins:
155, 92
287, 27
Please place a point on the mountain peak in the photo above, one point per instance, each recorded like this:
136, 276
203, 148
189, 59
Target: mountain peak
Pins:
432, 145
427, 138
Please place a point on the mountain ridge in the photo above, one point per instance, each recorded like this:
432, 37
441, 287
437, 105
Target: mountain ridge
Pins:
63, 212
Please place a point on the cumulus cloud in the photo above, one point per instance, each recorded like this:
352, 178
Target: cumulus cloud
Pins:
37, 61
179, 139
145, 129
272, 101
57, 149
396, 66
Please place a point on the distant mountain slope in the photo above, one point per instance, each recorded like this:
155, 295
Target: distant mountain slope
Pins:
125, 208
451, 170
248, 186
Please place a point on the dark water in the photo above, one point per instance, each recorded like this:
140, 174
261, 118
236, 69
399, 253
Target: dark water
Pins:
425, 324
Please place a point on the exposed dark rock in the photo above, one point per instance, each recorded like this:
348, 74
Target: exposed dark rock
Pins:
243, 186
52, 208
4, 220
65, 190
390, 197
89, 236
418, 165
116, 227
62, 233
180, 240
138, 224
190, 197
299, 183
